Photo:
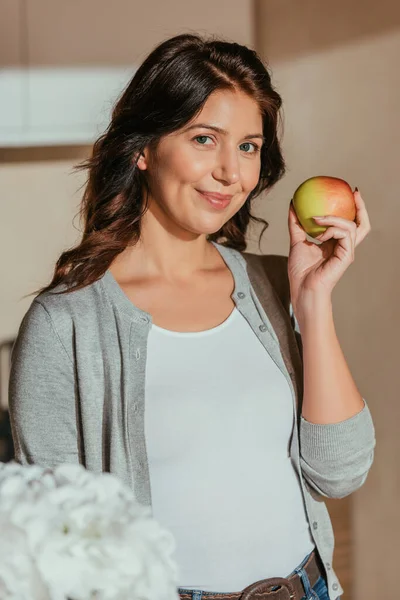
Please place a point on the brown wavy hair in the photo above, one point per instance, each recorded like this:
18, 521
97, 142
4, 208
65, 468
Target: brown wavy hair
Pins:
167, 91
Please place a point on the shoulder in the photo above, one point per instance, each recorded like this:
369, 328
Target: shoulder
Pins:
274, 268
59, 302
272, 263
55, 314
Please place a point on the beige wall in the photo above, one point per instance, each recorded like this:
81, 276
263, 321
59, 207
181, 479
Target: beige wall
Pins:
337, 68
93, 32
38, 204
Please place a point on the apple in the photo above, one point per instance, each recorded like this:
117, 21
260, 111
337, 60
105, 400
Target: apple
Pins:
320, 196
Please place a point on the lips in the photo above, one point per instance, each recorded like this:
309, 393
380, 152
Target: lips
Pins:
217, 200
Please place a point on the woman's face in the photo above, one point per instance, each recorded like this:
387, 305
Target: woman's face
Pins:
199, 158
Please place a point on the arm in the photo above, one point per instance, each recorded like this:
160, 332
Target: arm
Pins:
42, 397
337, 437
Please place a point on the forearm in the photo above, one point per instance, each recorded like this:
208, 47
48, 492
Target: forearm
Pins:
330, 393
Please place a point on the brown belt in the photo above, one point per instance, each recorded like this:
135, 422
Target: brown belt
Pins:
276, 588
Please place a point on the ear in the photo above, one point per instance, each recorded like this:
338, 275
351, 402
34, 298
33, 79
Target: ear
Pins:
141, 161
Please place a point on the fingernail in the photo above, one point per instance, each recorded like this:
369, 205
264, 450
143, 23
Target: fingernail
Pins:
319, 218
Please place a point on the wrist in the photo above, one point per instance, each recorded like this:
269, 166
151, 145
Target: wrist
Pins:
312, 308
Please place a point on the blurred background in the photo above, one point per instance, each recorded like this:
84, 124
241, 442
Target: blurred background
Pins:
336, 65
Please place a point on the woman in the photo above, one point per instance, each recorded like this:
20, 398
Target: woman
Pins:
151, 354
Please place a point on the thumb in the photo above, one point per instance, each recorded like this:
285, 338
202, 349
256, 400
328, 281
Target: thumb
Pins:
296, 231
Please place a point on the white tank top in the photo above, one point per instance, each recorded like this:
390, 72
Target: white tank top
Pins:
200, 400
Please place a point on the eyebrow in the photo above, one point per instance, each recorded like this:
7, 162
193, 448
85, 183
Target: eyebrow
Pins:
223, 131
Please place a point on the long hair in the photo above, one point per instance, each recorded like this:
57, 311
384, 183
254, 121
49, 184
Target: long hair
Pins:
168, 90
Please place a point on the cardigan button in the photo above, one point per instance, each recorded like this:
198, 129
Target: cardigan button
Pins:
335, 586
241, 295
315, 525
262, 328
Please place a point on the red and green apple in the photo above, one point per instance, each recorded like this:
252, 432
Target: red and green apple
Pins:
321, 196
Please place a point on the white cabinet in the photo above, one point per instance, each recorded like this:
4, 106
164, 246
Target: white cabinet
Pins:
57, 106
13, 102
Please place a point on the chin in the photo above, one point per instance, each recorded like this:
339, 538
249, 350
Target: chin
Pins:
211, 228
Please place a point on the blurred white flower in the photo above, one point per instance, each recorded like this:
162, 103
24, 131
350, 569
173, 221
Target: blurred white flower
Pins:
86, 535
19, 576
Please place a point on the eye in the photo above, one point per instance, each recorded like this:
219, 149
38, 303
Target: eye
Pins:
255, 146
202, 137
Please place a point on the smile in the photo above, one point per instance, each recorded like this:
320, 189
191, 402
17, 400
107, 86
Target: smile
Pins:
216, 200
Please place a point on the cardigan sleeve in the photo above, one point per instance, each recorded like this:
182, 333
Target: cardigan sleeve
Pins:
335, 458
42, 399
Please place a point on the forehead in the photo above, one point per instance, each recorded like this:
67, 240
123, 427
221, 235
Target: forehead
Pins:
232, 110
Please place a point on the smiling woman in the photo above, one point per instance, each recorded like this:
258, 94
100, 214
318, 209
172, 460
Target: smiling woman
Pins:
164, 353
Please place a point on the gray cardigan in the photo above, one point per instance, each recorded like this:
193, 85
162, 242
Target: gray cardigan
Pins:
77, 389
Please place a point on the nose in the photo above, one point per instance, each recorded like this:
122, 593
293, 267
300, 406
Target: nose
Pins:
227, 168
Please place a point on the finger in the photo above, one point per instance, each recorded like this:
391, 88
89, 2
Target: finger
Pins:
338, 221
343, 236
362, 217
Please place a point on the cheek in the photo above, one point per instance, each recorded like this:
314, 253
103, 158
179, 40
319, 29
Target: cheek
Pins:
188, 167
250, 175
